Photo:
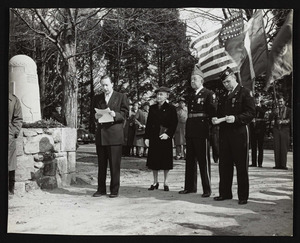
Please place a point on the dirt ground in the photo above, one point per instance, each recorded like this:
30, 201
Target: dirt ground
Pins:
137, 211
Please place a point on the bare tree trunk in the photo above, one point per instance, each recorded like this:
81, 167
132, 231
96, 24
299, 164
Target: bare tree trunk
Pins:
70, 93
42, 76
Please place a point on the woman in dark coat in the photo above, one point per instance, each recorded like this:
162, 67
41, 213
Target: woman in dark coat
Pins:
160, 128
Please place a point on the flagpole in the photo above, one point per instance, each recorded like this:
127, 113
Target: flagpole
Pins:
274, 90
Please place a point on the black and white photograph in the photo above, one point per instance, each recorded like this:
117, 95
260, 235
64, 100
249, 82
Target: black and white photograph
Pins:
139, 121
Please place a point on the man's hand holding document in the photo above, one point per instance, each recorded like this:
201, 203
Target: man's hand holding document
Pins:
228, 119
104, 115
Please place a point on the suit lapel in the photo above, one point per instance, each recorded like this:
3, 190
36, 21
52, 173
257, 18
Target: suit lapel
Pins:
112, 98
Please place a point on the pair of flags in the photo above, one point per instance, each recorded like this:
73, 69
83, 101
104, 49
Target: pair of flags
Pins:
281, 54
241, 47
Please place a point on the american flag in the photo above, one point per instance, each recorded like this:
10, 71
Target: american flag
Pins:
209, 48
231, 28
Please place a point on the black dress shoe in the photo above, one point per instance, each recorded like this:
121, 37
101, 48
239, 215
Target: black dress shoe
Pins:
166, 188
186, 192
220, 198
205, 195
152, 187
252, 165
242, 201
99, 194
283, 168
113, 195
260, 166
276, 167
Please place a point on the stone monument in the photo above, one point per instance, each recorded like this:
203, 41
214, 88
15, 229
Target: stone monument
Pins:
23, 83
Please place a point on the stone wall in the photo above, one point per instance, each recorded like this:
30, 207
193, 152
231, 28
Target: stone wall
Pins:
46, 158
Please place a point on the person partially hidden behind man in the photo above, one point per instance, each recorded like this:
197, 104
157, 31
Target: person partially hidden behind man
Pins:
235, 110
110, 136
15, 120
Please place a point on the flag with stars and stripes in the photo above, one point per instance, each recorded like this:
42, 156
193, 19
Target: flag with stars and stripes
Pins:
232, 38
210, 49
242, 48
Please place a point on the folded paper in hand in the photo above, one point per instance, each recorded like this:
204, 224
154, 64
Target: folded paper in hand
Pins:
219, 120
106, 117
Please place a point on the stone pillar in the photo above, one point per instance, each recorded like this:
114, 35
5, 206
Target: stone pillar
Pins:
23, 82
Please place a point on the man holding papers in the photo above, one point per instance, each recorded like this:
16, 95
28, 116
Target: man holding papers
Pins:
111, 109
236, 109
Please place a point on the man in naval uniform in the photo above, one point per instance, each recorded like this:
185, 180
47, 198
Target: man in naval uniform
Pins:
201, 108
235, 110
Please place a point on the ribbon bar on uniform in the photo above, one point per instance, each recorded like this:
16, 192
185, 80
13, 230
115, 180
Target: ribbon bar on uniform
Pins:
191, 115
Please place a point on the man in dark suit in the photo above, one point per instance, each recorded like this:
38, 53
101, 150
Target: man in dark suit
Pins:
281, 121
236, 109
110, 136
201, 108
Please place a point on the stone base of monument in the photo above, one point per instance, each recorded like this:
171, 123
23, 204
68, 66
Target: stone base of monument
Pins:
46, 158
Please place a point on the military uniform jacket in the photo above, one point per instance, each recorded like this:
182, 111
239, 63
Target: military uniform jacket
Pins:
112, 133
238, 103
203, 103
258, 125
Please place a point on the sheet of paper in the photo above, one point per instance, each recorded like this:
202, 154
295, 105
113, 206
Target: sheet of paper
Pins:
106, 117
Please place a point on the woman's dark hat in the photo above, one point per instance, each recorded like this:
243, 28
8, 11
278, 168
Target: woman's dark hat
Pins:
163, 89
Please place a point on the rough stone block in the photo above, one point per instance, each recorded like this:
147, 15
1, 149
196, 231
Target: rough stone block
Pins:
19, 188
58, 180
41, 143
57, 147
48, 131
31, 185
56, 134
37, 174
39, 130
68, 139
62, 165
38, 165
50, 168
29, 132
61, 154
38, 157
71, 162
65, 180
47, 182
25, 165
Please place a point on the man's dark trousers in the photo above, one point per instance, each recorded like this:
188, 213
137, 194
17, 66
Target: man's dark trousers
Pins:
197, 150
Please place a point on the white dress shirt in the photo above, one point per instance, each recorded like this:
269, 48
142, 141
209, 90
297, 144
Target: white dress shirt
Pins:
107, 97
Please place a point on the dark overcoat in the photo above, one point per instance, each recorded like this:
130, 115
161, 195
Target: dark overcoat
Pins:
15, 120
160, 154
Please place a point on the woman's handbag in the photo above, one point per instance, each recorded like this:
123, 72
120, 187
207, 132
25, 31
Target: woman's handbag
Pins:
139, 130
